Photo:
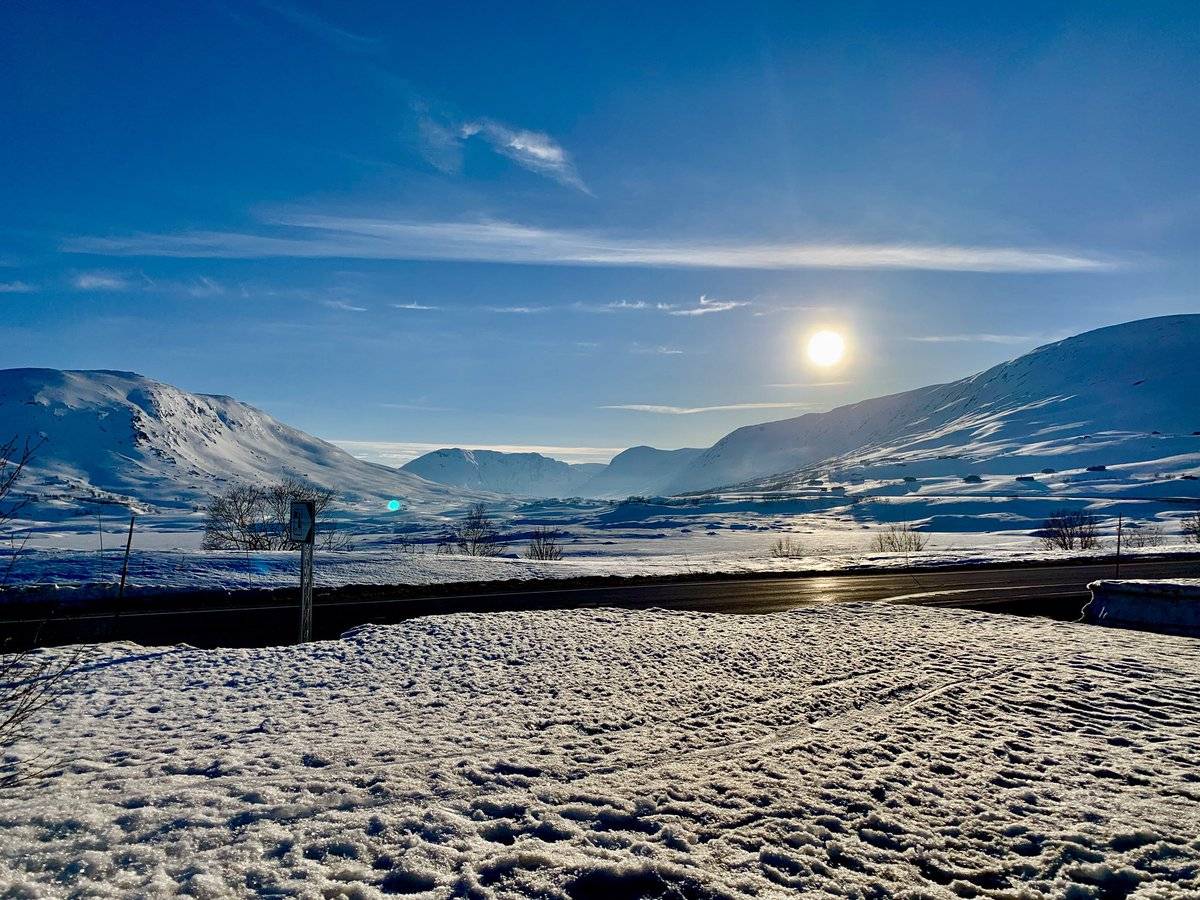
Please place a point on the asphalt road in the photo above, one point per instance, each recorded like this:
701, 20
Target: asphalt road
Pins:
260, 620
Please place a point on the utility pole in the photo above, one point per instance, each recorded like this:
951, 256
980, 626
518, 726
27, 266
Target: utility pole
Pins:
125, 565
302, 529
1120, 523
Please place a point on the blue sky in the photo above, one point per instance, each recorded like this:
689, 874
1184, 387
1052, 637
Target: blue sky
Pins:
561, 226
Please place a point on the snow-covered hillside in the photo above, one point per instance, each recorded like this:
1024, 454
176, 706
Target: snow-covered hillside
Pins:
1117, 395
858, 750
517, 474
121, 436
640, 470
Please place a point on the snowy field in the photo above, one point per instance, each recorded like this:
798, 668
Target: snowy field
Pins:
849, 751
676, 536
68, 576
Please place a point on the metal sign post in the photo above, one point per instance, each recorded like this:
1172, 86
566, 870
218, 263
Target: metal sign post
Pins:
302, 529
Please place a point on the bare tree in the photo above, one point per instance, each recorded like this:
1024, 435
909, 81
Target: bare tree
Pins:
901, 537
1191, 528
786, 548
278, 498
251, 518
1146, 536
545, 545
30, 680
1070, 530
476, 534
15, 456
237, 520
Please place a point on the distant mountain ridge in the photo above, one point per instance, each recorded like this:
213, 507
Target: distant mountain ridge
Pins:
638, 470
516, 474
121, 436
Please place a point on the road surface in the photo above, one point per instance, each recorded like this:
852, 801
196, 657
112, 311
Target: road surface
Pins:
257, 619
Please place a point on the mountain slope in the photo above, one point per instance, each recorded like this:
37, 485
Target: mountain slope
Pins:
1121, 394
640, 470
119, 435
517, 474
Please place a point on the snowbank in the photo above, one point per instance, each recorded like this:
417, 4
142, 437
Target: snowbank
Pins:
853, 751
1172, 605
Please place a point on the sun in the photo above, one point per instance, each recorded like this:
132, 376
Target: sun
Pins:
826, 348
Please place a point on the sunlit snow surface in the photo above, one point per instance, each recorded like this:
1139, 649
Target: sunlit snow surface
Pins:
851, 750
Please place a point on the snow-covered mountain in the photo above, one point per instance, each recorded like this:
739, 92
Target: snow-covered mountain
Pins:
516, 474
640, 470
119, 435
1122, 394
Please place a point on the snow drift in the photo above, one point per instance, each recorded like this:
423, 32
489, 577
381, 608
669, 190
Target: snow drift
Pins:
847, 750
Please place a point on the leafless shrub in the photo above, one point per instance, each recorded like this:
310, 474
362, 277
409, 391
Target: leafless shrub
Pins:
786, 548
901, 537
332, 539
1191, 528
1146, 536
15, 456
545, 545
252, 518
30, 681
476, 534
1070, 530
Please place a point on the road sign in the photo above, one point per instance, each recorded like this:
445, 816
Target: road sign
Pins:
302, 524
302, 528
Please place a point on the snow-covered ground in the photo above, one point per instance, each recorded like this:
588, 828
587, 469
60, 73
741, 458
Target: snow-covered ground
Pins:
850, 750
73, 576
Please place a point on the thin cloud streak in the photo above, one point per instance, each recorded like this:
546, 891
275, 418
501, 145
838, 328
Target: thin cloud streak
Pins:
978, 338
315, 25
808, 384
532, 150
693, 410
708, 306
416, 306
318, 236
99, 281
16, 287
343, 306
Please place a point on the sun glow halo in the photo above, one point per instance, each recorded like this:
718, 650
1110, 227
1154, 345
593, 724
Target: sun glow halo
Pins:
826, 348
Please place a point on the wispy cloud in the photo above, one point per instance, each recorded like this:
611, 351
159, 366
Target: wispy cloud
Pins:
418, 306
320, 236
519, 310
16, 287
660, 350
532, 150
204, 287
807, 384
397, 453
707, 306
418, 407
981, 338
614, 306
442, 137
318, 27
693, 410
99, 281
343, 306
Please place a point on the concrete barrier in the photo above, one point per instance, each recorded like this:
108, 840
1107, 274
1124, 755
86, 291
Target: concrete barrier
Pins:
1172, 606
